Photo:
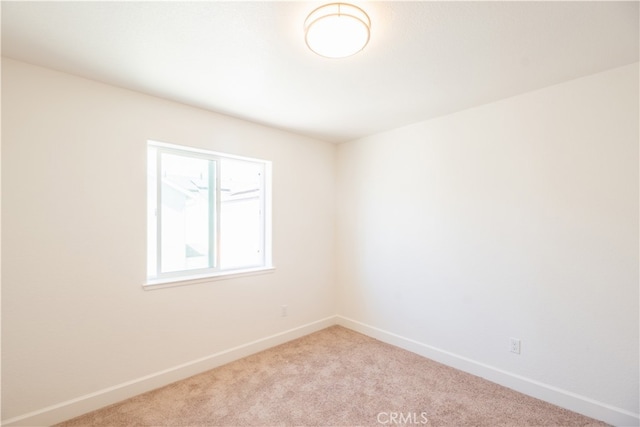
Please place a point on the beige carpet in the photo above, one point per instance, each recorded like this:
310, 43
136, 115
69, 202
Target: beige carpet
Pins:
335, 377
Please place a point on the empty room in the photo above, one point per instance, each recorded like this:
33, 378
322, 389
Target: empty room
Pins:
326, 214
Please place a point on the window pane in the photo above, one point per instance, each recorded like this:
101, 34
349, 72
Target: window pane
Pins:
152, 204
186, 214
241, 216
206, 213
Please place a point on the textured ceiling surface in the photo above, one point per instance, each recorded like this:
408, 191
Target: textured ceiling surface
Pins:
249, 59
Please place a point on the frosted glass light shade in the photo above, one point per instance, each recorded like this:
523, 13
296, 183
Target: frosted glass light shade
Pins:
337, 30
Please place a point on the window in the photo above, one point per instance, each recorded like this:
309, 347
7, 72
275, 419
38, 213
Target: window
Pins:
208, 214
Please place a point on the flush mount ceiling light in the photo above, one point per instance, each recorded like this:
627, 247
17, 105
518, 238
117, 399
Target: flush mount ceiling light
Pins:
337, 30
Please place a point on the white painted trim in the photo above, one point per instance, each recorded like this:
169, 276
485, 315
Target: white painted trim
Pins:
563, 398
72, 408
152, 284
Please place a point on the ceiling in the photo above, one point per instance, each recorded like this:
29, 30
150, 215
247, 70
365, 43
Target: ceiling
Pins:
249, 59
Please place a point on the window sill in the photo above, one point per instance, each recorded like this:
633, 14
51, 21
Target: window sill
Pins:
152, 284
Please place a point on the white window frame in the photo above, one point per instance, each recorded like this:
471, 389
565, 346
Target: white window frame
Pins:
158, 279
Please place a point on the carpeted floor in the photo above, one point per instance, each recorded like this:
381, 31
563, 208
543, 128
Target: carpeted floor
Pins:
335, 377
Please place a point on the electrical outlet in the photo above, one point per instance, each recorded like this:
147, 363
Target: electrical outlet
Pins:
284, 311
514, 345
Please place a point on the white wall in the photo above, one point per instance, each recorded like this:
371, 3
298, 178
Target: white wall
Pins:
513, 219
75, 319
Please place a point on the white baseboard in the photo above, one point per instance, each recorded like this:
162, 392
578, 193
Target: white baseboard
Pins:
563, 398
72, 408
